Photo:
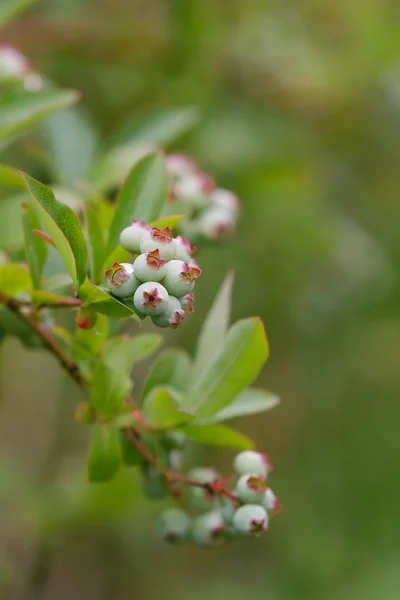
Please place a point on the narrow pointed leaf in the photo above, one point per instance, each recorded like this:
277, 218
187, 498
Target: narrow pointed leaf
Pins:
14, 278
105, 303
214, 329
219, 435
170, 221
96, 244
64, 228
35, 247
142, 195
249, 402
239, 361
161, 409
172, 368
10, 176
104, 457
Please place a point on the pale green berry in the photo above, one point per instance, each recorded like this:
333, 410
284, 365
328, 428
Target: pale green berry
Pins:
172, 316
184, 249
227, 509
250, 488
251, 519
226, 199
180, 277
130, 236
209, 529
121, 280
252, 462
179, 165
159, 239
270, 501
198, 497
216, 222
195, 188
150, 266
175, 525
151, 298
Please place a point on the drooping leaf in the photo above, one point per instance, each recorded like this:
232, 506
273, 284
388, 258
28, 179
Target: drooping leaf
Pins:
14, 278
239, 361
9, 9
110, 387
170, 221
64, 228
96, 244
219, 435
159, 129
105, 303
249, 402
71, 142
172, 368
142, 195
10, 177
104, 458
161, 409
214, 329
21, 109
35, 247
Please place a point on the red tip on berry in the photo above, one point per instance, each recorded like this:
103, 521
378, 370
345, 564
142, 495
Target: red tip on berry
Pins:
257, 525
177, 319
151, 298
190, 272
153, 259
117, 275
257, 484
186, 244
162, 234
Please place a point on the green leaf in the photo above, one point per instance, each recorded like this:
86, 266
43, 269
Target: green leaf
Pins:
110, 388
64, 228
130, 454
142, 195
170, 221
11, 324
161, 409
91, 340
236, 366
9, 9
105, 303
11, 231
172, 368
35, 247
14, 278
10, 176
71, 143
214, 329
45, 298
96, 244
104, 457
19, 110
219, 435
249, 402
157, 128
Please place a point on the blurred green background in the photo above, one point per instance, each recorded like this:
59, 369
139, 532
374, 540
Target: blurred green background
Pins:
299, 106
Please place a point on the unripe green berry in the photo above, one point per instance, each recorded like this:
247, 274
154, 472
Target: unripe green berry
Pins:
151, 298
187, 302
226, 199
130, 236
251, 462
250, 488
184, 249
180, 277
209, 529
121, 280
227, 510
172, 316
150, 266
198, 497
216, 222
270, 502
175, 525
159, 239
250, 519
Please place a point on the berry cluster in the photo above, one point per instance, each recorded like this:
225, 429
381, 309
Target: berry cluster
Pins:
15, 64
211, 212
224, 513
162, 276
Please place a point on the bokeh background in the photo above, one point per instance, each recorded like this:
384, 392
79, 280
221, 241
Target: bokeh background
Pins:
299, 113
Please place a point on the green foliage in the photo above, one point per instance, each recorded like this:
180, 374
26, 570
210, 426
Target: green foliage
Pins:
219, 435
95, 244
10, 9
161, 408
106, 304
35, 247
104, 457
172, 368
14, 278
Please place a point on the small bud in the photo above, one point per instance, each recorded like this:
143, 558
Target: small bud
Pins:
199, 498
151, 298
130, 236
216, 222
172, 316
84, 413
85, 318
121, 280
209, 529
150, 266
174, 526
252, 462
270, 502
184, 249
180, 277
161, 239
250, 519
250, 488
187, 302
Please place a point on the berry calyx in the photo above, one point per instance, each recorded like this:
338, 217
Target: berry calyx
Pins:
151, 298
150, 266
180, 277
184, 249
161, 239
121, 280
250, 519
172, 316
250, 488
